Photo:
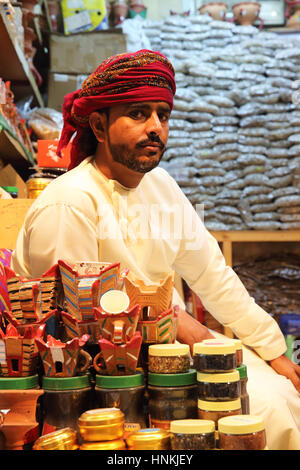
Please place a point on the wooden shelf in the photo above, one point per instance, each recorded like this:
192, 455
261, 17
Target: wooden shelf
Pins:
14, 66
227, 238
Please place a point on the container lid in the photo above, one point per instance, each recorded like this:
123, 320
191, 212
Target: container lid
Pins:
118, 444
214, 347
192, 426
173, 380
101, 416
114, 301
219, 405
19, 383
10, 189
120, 381
65, 383
242, 370
241, 424
169, 350
233, 376
148, 436
60, 439
238, 344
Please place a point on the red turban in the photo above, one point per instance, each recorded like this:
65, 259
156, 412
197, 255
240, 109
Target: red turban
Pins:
141, 76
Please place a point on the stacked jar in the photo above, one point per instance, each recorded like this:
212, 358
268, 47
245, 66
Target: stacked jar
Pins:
102, 429
218, 380
172, 385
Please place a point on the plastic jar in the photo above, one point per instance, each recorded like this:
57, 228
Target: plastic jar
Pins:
214, 356
64, 400
169, 358
215, 410
124, 392
219, 387
244, 394
118, 444
63, 439
238, 351
245, 432
149, 439
35, 185
171, 397
193, 434
101, 424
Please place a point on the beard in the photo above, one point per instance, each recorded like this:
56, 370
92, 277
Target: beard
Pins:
130, 158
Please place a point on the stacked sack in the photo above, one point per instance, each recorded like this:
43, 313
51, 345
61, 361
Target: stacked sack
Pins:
234, 141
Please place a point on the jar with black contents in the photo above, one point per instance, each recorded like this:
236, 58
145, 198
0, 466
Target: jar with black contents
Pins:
242, 370
64, 400
214, 356
219, 387
124, 392
245, 432
215, 410
172, 397
193, 434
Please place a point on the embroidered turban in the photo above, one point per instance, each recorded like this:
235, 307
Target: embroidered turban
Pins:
125, 78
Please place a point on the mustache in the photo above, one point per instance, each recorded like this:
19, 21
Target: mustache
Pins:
151, 140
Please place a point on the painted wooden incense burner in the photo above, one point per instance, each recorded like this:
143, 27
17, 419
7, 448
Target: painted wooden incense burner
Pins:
158, 319
119, 342
84, 283
63, 359
18, 354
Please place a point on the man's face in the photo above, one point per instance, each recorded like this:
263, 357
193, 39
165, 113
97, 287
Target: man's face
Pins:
137, 134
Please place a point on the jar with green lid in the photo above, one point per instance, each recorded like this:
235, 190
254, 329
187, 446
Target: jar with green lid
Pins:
214, 356
21, 396
101, 424
171, 397
245, 432
63, 439
193, 434
169, 358
214, 410
64, 400
12, 190
219, 387
242, 370
124, 392
149, 439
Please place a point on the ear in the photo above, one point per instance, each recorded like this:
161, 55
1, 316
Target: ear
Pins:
98, 122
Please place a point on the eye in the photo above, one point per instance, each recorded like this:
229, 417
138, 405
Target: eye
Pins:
164, 117
136, 114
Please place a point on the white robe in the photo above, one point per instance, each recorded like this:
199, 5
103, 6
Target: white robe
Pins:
82, 215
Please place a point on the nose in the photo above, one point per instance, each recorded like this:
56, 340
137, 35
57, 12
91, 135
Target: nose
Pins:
153, 124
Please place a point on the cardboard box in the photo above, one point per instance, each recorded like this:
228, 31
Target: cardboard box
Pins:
81, 53
9, 177
59, 85
47, 158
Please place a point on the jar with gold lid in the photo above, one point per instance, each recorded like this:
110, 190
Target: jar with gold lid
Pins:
214, 356
244, 432
214, 410
169, 358
118, 444
62, 439
149, 439
193, 434
242, 370
101, 424
219, 387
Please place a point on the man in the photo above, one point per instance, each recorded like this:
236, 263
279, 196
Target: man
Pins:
120, 121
